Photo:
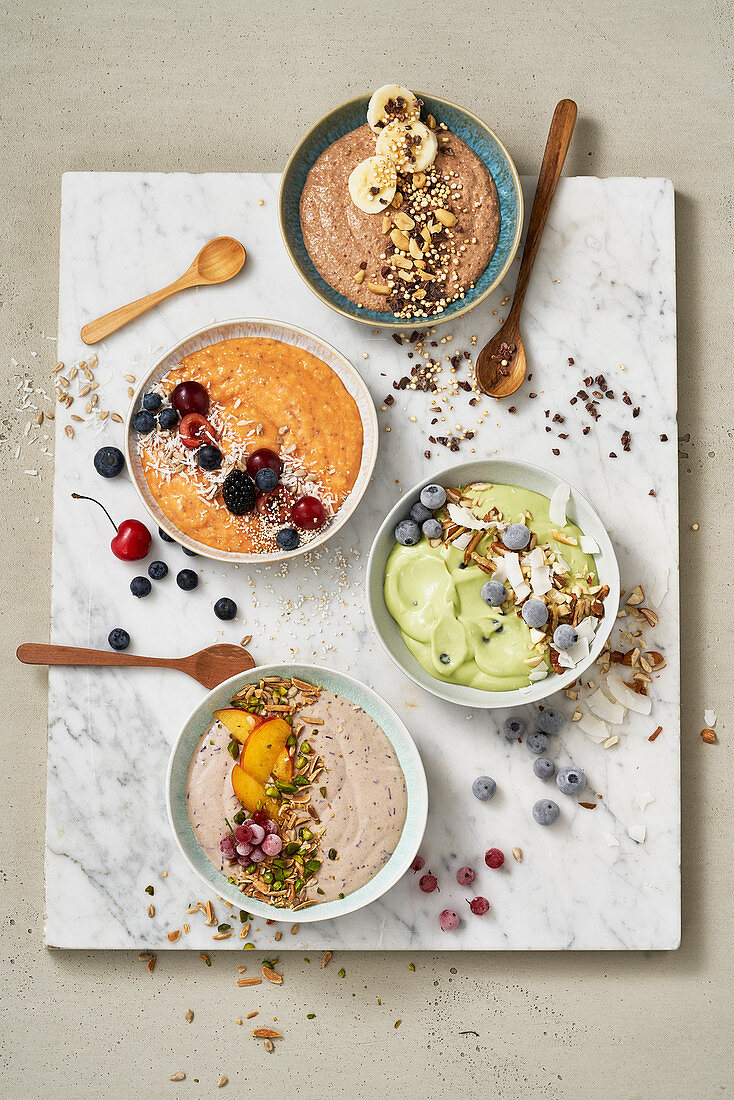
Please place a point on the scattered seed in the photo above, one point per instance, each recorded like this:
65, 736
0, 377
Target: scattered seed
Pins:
151, 910
151, 964
68, 430
269, 1046
326, 959
266, 1033
116, 417
249, 1016
222, 1082
189, 1015
177, 1077
129, 377
517, 854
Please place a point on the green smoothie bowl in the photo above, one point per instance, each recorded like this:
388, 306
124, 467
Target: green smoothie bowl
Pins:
493, 584
295, 793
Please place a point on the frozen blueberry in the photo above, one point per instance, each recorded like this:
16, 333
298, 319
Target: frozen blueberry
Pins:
143, 421
537, 743
225, 608
167, 419
516, 536
109, 461
164, 535
189, 553
140, 587
420, 513
513, 728
288, 539
535, 613
484, 788
432, 529
546, 812
564, 636
187, 579
118, 638
543, 767
549, 720
570, 780
494, 593
266, 479
157, 570
152, 402
209, 458
433, 497
407, 532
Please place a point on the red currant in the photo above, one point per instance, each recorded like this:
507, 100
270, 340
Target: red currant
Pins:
190, 397
308, 513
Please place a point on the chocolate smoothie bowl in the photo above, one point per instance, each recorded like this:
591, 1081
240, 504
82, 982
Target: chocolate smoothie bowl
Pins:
296, 793
399, 208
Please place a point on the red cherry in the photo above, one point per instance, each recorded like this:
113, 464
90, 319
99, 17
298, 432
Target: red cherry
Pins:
190, 397
275, 506
195, 430
308, 513
264, 459
132, 541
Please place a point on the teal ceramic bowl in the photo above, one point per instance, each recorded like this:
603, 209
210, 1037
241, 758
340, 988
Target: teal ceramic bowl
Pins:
465, 125
415, 780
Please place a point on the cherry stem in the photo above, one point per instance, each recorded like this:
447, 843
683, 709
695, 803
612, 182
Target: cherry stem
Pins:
78, 496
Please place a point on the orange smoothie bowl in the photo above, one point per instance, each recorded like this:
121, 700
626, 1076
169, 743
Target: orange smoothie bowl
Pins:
261, 388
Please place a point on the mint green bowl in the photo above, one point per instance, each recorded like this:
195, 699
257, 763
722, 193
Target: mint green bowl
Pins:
415, 781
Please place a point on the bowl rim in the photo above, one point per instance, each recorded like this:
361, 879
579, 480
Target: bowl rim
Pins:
437, 319
370, 440
460, 694
416, 790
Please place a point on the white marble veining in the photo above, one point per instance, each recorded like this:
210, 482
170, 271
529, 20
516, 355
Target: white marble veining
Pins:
603, 294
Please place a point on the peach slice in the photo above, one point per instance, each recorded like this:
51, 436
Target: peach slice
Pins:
240, 723
251, 793
283, 766
263, 747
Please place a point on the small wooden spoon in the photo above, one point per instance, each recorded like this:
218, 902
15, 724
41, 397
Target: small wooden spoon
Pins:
209, 666
218, 261
502, 364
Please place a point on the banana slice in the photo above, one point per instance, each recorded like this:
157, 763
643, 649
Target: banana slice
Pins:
390, 102
410, 145
372, 184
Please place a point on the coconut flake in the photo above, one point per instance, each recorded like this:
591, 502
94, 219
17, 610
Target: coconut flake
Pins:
536, 635
604, 708
465, 518
709, 717
462, 541
611, 840
595, 728
642, 801
637, 832
658, 590
589, 545
515, 577
538, 673
640, 704
579, 651
586, 628
561, 566
500, 573
557, 507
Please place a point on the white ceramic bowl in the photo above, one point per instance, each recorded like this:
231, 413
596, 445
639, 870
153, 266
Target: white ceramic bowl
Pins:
287, 334
499, 472
415, 781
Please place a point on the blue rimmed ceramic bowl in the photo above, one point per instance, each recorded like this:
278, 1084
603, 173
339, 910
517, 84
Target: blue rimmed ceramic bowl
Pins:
415, 781
465, 125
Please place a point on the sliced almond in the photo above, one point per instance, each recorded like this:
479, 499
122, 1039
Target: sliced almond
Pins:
272, 975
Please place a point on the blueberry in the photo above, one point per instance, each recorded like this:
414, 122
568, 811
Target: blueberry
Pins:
167, 418
516, 536
225, 609
164, 535
494, 593
407, 532
109, 461
266, 479
484, 788
152, 402
420, 513
534, 613
433, 497
546, 812
288, 539
513, 728
143, 421
157, 570
537, 743
189, 553
444, 658
543, 767
118, 638
432, 529
187, 579
549, 720
564, 636
140, 587
209, 458
570, 780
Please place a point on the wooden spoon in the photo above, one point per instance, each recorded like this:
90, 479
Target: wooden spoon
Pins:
502, 364
218, 261
209, 666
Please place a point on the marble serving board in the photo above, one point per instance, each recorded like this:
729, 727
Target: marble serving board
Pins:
603, 295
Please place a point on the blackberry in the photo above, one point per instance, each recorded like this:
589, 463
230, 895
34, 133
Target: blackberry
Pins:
238, 492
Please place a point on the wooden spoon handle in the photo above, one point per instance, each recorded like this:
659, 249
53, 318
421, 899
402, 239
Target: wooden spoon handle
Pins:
559, 139
33, 653
94, 331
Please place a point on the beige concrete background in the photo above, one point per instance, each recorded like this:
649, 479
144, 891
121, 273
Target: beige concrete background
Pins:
230, 86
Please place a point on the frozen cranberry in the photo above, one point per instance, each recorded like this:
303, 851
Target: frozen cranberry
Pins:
244, 848
190, 397
243, 834
264, 459
494, 858
428, 883
195, 429
308, 513
418, 864
465, 876
257, 833
479, 906
448, 919
272, 844
260, 817
226, 846
257, 855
